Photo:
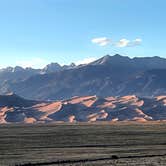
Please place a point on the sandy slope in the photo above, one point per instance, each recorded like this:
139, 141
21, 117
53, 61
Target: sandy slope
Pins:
83, 109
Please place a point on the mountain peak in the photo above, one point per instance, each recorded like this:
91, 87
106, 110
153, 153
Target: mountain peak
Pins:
72, 64
106, 56
102, 60
52, 67
17, 69
117, 55
107, 59
10, 94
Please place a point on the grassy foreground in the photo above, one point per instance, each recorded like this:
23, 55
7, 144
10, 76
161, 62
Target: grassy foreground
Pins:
84, 144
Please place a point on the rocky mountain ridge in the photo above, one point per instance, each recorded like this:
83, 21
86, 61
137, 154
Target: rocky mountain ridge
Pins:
108, 76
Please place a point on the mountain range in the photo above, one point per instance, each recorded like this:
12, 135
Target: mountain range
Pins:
112, 88
14, 109
17, 74
108, 76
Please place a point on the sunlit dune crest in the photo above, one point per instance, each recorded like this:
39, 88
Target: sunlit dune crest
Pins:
107, 105
140, 112
138, 103
72, 119
160, 98
110, 98
115, 120
97, 116
130, 97
87, 100
4, 110
29, 120
49, 108
2, 120
139, 119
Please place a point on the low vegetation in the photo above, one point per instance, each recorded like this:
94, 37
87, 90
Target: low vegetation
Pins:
125, 143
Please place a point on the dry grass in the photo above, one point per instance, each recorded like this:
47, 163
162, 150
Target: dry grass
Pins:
46, 143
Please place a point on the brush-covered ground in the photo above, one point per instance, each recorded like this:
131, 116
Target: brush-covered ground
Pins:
120, 143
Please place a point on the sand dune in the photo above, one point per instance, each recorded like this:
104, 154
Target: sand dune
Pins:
84, 109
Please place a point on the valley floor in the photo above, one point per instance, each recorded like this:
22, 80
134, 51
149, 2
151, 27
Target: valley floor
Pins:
121, 144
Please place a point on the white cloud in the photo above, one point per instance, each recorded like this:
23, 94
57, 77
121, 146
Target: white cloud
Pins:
122, 43
128, 43
85, 61
137, 41
33, 62
101, 41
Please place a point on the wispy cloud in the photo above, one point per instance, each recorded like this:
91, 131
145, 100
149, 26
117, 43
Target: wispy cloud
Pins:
128, 43
86, 60
137, 42
101, 41
35, 62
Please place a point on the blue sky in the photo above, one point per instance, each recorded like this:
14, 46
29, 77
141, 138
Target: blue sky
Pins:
37, 32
